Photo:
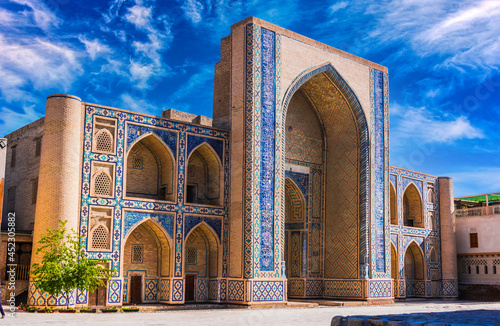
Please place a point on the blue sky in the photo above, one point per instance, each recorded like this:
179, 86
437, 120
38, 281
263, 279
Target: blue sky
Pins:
443, 59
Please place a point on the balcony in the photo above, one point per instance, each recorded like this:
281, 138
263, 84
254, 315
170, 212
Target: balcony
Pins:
478, 211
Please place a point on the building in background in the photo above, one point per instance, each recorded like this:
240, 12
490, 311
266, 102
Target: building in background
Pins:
286, 193
478, 246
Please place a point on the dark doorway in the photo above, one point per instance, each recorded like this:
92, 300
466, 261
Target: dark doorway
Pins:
98, 297
190, 287
135, 289
191, 194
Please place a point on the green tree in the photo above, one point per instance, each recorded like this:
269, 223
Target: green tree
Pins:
64, 266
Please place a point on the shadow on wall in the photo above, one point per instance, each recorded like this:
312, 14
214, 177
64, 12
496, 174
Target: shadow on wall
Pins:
479, 292
462, 317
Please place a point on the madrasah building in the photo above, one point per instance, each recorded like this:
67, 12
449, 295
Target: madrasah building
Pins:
286, 193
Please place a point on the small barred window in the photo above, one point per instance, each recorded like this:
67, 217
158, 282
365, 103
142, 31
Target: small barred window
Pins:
191, 256
104, 141
137, 163
137, 253
100, 238
102, 185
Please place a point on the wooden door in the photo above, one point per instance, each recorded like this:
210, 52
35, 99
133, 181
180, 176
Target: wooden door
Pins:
101, 295
93, 298
135, 289
190, 287
98, 296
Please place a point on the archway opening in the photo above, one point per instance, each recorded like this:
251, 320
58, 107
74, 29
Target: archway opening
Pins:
201, 262
326, 139
203, 181
394, 263
412, 207
414, 270
150, 170
147, 256
394, 205
295, 209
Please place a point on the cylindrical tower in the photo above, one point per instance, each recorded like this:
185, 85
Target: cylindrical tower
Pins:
449, 283
58, 197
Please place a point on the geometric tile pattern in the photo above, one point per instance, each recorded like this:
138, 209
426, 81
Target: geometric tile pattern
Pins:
201, 293
343, 288
314, 288
266, 187
164, 290
449, 288
150, 289
114, 291
378, 174
177, 290
236, 290
295, 287
125, 290
36, 298
223, 289
419, 288
380, 288
267, 291
213, 289
81, 296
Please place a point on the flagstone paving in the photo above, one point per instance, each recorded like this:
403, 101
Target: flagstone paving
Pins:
413, 312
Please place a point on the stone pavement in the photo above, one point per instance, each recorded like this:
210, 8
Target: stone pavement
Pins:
447, 313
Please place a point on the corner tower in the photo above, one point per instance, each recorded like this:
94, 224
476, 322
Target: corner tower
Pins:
58, 196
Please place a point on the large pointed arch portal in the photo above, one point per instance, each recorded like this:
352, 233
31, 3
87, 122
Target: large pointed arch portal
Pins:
346, 165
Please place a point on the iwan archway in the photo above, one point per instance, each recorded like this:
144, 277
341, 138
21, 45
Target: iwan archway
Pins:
326, 155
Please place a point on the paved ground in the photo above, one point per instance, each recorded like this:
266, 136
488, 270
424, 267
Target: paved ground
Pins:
472, 313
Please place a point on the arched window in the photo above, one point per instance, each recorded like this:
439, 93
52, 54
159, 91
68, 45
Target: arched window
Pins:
394, 206
203, 177
100, 237
412, 207
150, 170
434, 258
102, 184
104, 141
430, 196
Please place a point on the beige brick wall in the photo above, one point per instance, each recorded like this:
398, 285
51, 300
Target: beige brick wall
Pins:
222, 90
23, 174
448, 241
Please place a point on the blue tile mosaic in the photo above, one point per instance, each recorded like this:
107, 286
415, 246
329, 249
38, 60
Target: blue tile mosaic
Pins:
193, 141
379, 170
268, 89
136, 131
132, 218
190, 221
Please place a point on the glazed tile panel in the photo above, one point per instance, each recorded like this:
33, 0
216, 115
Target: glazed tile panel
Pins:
267, 152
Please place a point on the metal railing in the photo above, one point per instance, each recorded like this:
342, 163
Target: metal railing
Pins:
478, 211
22, 272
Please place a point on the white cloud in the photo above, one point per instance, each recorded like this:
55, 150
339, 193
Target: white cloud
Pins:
464, 33
338, 6
113, 10
137, 105
94, 47
43, 17
420, 125
193, 10
11, 120
141, 73
35, 63
139, 16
